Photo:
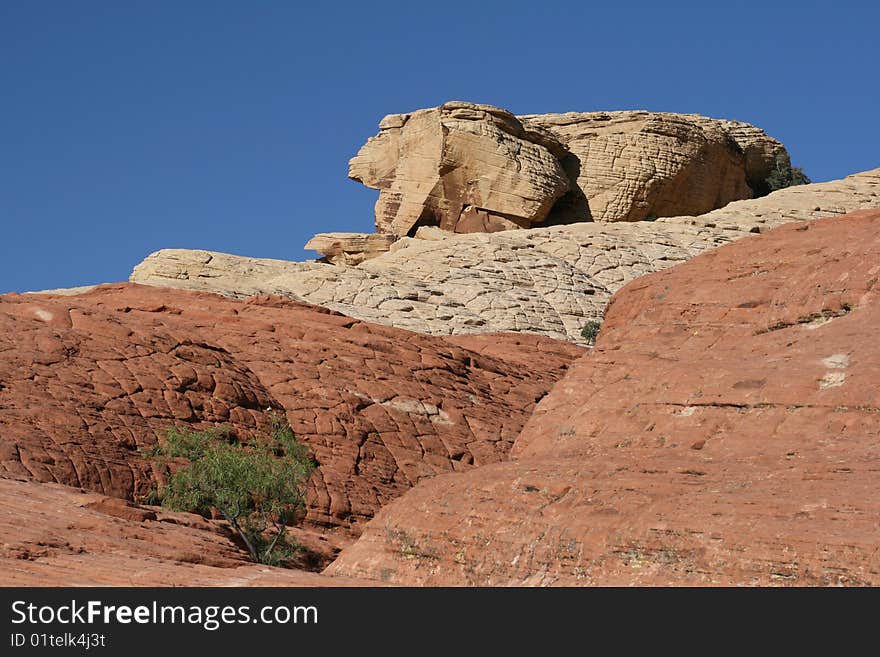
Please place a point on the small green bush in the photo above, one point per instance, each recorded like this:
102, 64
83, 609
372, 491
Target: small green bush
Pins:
591, 331
258, 486
783, 175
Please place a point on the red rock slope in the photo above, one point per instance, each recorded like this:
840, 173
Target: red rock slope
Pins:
726, 430
87, 380
52, 535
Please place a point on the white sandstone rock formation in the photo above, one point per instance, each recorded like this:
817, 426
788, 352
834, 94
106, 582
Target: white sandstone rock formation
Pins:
549, 281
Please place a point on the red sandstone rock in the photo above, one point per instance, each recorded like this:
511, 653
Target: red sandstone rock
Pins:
53, 535
85, 381
726, 430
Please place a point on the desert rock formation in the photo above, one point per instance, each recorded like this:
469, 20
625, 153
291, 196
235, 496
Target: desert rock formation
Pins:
544, 281
860, 191
547, 281
464, 167
725, 430
635, 165
88, 380
349, 248
476, 168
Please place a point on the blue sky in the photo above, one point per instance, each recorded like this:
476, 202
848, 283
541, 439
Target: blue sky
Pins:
126, 127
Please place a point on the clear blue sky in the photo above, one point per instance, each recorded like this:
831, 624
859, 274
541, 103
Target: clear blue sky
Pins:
130, 126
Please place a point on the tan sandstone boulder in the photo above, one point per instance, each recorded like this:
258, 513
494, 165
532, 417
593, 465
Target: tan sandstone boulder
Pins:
349, 248
476, 168
464, 167
636, 165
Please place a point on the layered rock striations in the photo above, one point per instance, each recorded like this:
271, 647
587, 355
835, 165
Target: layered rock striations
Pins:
634, 165
88, 381
476, 168
349, 248
725, 430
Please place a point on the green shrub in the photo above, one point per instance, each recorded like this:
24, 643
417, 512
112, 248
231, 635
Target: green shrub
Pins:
257, 486
591, 331
783, 175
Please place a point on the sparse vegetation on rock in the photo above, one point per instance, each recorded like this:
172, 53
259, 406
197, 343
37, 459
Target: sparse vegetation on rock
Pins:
783, 175
682, 381
635, 457
257, 486
591, 331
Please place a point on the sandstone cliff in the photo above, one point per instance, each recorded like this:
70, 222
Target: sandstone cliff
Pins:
725, 430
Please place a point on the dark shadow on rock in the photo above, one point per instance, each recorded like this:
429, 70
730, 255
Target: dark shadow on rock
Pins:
573, 207
313, 561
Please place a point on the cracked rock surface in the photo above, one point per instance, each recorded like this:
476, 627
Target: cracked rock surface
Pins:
631, 165
88, 380
548, 281
725, 430
476, 168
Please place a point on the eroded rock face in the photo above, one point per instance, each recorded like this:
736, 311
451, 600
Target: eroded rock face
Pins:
725, 430
476, 168
860, 191
464, 167
634, 165
547, 281
55, 535
350, 248
87, 380
544, 281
